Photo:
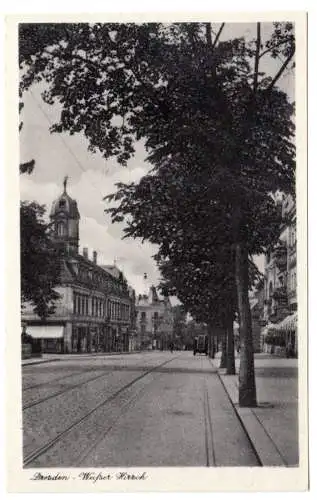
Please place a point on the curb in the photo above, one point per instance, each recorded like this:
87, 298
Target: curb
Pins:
252, 444
78, 356
262, 444
40, 362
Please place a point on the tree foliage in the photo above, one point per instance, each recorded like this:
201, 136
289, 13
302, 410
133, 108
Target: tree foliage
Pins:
39, 261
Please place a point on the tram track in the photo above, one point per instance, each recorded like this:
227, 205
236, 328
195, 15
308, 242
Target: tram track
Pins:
52, 381
40, 451
209, 438
58, 393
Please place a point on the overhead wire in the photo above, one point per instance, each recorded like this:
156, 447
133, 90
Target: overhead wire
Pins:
70, 151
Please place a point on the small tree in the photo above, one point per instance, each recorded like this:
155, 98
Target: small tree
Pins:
40, 265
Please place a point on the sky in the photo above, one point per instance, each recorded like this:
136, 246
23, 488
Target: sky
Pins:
91, 177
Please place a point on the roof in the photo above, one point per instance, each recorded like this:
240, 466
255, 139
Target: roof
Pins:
65, 204
111, 269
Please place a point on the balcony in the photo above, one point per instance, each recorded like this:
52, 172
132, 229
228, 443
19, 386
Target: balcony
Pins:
280, 296
280, 257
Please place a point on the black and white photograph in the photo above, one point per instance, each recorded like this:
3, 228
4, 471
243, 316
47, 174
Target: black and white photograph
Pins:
160, 320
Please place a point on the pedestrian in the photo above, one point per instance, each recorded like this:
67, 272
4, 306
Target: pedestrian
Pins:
171, 346
289, 349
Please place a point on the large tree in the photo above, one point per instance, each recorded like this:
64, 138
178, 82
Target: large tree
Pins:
202, 107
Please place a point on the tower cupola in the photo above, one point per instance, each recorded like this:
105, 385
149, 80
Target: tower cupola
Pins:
65, 220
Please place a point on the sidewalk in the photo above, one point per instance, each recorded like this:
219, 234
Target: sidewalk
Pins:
273, 425
48, 358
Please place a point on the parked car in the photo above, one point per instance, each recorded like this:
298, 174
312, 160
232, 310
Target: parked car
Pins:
201, 345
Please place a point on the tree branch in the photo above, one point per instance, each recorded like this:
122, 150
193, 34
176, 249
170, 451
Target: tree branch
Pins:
79, 58
218, 35
281, 70
208, 35
257, 58
266, 51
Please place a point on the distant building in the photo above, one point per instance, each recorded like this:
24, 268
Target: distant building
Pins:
96, 311
154, 321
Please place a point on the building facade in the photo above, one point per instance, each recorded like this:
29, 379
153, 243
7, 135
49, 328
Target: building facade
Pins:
280, 283
154, 321
96, 309
256, 306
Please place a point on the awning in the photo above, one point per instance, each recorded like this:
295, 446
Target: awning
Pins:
45, 331
287, 324
268, 329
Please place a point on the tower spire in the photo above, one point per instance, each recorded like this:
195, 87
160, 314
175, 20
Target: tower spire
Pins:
65, 183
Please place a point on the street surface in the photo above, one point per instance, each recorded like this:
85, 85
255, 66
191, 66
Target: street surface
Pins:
144, 409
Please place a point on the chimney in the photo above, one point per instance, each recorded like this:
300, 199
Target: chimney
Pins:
85, 252
94, 257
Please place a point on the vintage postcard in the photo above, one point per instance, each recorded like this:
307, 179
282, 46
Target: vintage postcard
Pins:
157, 276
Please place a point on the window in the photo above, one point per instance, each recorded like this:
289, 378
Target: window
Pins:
61, 230
62, 204
293, 236
295, 280
143, 316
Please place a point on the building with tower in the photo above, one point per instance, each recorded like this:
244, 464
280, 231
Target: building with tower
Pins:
96, 309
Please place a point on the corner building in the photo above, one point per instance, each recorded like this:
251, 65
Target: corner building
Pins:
96, 311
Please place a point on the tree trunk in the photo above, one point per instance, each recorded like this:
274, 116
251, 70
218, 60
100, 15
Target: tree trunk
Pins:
209, 332
211, 345
231, 367
247, 389
223, 361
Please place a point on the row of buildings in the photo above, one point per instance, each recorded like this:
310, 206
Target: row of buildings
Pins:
97, 310
274, 303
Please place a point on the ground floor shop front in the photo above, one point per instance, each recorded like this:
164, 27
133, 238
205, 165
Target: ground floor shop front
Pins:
80, 337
